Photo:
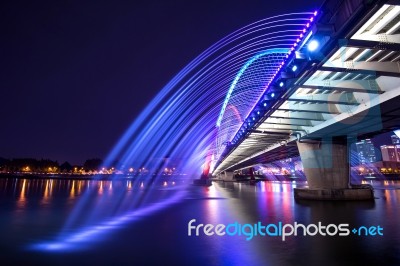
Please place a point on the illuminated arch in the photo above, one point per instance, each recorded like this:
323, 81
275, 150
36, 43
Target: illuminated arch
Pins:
245, 90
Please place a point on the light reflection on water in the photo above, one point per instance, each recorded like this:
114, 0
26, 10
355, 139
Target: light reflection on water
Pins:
52, 201
273, 202
33, 211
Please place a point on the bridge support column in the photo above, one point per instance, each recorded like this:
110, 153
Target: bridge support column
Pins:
252, 178
227, 176
327, 170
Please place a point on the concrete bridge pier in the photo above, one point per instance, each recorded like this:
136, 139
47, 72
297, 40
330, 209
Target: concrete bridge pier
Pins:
327, 169
227, 176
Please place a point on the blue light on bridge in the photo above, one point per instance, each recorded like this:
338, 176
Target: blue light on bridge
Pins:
294, 68
313, 45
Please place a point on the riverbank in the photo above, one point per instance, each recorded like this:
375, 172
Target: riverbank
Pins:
78, 176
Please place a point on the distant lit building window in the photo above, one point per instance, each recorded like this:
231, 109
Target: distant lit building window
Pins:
366, 151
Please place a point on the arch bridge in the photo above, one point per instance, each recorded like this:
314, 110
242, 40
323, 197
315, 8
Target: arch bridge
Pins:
338, 81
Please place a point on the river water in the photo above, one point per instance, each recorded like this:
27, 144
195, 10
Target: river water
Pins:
136, 222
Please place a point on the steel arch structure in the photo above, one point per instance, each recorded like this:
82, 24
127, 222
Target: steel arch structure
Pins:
245, 90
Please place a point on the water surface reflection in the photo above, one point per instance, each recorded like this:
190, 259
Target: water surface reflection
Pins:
35, 211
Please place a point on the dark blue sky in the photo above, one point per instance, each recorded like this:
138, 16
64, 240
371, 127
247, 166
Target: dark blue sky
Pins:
75, 74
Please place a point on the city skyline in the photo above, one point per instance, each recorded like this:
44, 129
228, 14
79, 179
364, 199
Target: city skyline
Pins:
374, 145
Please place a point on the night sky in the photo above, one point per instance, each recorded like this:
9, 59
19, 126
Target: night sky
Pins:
75, 74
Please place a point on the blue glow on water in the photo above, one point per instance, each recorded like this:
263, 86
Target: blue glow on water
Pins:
78, 240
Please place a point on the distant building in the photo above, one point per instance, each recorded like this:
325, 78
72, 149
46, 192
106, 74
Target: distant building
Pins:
389, 153
366, 151
395, 140
396, 144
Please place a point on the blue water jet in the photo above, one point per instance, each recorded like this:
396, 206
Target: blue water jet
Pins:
180, 122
